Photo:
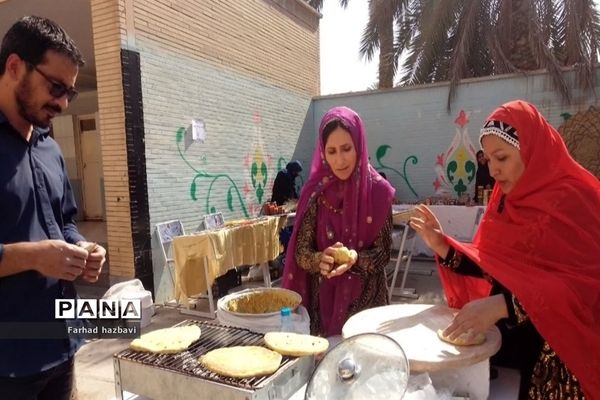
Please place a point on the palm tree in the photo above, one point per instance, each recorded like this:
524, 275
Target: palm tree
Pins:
380, 36
448, 40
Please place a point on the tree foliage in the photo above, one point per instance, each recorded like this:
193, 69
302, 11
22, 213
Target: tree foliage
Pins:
450, 40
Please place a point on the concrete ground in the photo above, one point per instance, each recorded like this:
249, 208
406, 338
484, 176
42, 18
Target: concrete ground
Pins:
94, 361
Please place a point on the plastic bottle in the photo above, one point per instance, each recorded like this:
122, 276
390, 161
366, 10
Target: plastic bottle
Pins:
287, 324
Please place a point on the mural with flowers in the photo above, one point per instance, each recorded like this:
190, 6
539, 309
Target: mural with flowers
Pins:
247, 198
456, 167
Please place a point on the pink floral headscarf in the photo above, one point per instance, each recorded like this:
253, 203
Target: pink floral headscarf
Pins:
365, 205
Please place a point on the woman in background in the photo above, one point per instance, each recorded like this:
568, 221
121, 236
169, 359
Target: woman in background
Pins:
344, 202
538, 248
483, 178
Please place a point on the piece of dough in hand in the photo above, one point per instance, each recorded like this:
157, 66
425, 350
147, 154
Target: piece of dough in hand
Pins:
294, 344
90, 247
343, 255
463, 340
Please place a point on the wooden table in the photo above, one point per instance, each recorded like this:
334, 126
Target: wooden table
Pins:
414, 327
205, 255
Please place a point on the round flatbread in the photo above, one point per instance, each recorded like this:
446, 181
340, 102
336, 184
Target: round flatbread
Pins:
463, 340
168, 340
294, 344
241, 361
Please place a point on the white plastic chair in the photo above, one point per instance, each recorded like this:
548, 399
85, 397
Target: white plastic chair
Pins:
166, 232
405, 253
208, 222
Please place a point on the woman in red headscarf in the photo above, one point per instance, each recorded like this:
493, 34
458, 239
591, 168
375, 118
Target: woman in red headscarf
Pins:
344, 202
538, 246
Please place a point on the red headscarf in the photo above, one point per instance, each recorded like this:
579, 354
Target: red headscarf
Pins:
544, 246
365, 203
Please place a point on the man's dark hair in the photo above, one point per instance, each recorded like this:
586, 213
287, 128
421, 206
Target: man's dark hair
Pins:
31, 37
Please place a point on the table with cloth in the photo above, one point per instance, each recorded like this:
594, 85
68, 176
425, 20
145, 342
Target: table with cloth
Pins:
460, 222
247, 243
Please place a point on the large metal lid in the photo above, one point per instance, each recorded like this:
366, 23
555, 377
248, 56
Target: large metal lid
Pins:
366, 366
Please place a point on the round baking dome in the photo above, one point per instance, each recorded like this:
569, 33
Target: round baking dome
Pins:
366, 366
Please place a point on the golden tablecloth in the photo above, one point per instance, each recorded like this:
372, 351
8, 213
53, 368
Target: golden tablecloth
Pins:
248, 244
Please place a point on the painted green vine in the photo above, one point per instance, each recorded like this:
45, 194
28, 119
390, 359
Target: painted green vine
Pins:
380, 154
232, 191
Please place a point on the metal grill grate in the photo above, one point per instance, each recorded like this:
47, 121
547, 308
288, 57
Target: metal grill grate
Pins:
212, 337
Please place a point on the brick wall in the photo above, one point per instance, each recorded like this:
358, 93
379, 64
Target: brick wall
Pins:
247, 68
108, 23
275, 41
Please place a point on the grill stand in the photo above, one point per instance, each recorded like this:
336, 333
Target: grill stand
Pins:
180, 376
158, 383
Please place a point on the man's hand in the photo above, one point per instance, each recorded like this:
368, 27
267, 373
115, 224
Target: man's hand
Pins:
95, 261
59, 259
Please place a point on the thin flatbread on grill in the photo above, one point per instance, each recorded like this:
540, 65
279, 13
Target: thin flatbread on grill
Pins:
241, 361
294, 344
463, 340
167, 340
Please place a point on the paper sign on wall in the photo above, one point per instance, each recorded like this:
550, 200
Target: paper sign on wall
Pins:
198, 130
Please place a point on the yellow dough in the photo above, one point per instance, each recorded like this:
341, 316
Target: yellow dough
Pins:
294, 344
91, 247
343, 255
168, 340
267, 301
242, 361
463, 340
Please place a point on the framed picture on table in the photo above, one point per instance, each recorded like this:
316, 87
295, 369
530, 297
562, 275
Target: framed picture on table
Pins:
213, 221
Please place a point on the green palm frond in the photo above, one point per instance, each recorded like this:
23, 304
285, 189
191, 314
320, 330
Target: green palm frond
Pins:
449, 40
318, 4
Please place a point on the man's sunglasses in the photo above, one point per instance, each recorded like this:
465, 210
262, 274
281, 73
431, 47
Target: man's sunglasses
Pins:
57, 89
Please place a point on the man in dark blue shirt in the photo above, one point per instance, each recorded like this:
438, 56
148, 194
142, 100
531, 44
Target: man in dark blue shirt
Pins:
41, 251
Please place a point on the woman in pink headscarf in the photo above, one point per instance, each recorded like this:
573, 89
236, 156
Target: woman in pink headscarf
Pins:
344, 202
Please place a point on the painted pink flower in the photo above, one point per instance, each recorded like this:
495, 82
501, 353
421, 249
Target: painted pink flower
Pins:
462, 119
440, 159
